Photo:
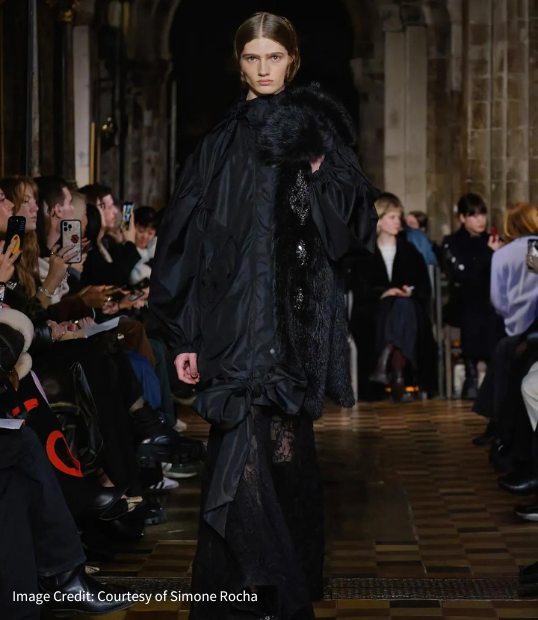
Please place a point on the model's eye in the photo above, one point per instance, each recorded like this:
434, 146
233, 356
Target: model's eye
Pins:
276, 57
251, 58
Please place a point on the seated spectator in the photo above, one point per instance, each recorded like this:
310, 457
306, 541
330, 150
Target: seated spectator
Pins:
417, 220
108, 262
389, 320
514, 295
146, 242
467, 256
40, 544
415, 236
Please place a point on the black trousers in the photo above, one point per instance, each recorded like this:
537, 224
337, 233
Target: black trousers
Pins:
38, 535
492, 396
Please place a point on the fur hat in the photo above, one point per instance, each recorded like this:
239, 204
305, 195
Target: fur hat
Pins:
16, 335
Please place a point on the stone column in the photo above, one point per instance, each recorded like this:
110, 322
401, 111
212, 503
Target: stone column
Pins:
478, 97
517, 102
395, 112
82, 103
406, 57
416, 60
499, 87
533, 102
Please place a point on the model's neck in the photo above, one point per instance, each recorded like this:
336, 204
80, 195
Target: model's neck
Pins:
252, 94
53, 235
386, 239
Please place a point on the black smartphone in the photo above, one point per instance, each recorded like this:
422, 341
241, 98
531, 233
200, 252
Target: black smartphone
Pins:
127, 214
72, 238
136, 294
15, 228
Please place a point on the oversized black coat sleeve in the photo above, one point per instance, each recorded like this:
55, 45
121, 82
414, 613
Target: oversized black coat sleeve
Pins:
342, 201
173, 285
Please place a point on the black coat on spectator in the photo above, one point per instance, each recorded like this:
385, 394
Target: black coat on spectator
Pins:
467, 263
97, 270
368, 279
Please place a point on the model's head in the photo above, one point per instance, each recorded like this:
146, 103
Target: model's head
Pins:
390, 212
267, 52
520, 220
473, 213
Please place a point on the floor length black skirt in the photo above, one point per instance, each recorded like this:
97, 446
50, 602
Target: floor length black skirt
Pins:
274, 542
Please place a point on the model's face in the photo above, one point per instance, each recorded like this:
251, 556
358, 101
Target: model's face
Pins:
264, 64
110, 211
144, 236
29, 209
390, 223
6, 211
474, 224
412, 221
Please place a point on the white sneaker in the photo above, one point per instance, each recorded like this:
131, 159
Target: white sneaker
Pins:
180, 426
181, 470
164, 485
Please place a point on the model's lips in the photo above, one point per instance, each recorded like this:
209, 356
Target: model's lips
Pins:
265, 82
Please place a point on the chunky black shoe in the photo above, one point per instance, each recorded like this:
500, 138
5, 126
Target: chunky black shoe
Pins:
487, 437
529, 512
519, 484
105, 500
77, 584
500, 457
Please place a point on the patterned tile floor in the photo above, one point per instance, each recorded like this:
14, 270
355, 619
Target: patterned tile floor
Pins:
407, 496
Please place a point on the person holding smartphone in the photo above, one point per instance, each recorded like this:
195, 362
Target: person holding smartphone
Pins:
467, 256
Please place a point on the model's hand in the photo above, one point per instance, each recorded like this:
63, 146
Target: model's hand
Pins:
393, 292
187, 368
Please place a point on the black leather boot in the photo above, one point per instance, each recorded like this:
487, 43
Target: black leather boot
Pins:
75, 584
470, 385
380, 373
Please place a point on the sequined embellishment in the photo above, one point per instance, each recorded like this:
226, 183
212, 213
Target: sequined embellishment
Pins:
302, 254
299, 198
298, 300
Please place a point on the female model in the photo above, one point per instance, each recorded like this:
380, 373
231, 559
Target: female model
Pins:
247, 287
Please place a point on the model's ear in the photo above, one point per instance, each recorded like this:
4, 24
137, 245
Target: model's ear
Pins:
57, 211
461, 218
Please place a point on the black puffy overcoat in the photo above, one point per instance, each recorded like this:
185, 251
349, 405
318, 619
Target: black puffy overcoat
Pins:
246, 270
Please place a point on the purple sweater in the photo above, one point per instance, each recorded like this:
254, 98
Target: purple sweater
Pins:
514, 289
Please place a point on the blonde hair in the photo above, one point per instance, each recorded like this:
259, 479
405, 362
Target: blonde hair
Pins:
269, 26
386, 203
520, 220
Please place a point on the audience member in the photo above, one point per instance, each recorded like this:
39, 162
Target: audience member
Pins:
467, 262
389, 320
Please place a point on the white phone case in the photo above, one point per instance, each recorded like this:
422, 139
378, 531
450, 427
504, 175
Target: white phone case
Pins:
72, 238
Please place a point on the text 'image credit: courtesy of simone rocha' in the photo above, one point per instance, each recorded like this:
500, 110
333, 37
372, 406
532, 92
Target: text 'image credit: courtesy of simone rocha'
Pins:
135, 597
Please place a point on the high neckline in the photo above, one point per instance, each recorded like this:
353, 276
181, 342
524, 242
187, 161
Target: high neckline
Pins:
255, 110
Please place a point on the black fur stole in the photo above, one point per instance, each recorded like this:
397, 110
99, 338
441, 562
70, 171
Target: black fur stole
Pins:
310, 303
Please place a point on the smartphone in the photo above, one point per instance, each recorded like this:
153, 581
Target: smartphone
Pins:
136, 295
15, 228
494, 232
127, 214
72, 238
532, 245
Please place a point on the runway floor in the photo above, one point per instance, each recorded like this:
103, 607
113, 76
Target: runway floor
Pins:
415, 522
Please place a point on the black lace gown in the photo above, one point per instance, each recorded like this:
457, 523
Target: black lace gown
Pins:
274, 532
